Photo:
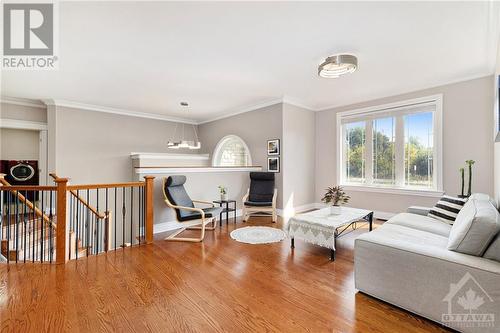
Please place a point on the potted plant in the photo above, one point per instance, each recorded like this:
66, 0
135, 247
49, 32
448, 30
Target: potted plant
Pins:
223, 192
335, 196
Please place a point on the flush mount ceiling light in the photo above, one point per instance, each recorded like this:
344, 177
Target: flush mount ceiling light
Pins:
337, 65
183, 143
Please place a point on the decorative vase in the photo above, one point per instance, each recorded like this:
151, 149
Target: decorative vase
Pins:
223, 197
335, 210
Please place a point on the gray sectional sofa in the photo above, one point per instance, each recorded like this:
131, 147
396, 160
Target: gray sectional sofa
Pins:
426, 267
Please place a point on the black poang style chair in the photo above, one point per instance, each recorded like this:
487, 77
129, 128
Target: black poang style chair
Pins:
187, 214
261, 196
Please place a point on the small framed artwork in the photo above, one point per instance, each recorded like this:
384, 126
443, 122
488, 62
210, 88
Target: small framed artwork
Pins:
273, 164
273, 147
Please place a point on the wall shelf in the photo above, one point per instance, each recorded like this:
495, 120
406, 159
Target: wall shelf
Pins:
168, 156
188, 169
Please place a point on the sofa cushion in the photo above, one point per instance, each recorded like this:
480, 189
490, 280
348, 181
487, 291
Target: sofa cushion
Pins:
398, 238
447, 209
476, 225
493, 251
420, 222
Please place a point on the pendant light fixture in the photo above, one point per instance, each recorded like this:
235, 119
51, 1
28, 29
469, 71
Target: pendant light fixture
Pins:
183, 143
338, 65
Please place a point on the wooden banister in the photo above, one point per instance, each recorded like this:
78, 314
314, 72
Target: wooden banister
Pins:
83, 201
28, 203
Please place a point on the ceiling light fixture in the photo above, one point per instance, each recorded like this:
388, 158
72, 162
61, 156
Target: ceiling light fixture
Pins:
189, 144
337, 65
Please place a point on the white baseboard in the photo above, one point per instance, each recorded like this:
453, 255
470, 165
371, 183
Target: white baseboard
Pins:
298, 209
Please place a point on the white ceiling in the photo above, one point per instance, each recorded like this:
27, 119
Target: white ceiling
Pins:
224, 57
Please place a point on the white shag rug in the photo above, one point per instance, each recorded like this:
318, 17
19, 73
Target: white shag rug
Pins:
258, 235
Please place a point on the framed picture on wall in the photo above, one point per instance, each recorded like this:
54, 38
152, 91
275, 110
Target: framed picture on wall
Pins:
273, 164
273, 147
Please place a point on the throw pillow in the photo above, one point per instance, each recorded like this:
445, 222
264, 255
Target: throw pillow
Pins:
476, 225
447, 209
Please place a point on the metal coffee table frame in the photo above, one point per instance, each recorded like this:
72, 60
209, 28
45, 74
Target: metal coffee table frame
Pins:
337, 232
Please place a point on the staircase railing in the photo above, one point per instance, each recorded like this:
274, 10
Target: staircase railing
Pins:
81, 200
82, 220
23, 199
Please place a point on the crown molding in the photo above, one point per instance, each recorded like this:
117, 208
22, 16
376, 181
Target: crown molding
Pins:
244, 109
253, 107
417, 90
298, 103
34, 103
124, 112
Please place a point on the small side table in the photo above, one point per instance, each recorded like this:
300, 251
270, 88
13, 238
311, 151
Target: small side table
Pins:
226, 208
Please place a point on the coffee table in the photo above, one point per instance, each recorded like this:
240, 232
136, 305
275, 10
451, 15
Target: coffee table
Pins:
322, 228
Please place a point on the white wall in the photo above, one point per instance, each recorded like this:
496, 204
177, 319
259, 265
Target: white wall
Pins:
18, 144
496, 109
298, 157
21, 112
255, 128
95, 147
467, 134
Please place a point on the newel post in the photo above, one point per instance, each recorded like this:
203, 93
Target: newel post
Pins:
148, 190
61, 229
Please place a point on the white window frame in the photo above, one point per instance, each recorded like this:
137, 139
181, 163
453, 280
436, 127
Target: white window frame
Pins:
437, 101
217, 150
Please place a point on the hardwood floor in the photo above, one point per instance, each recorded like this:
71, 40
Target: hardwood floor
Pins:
219, 285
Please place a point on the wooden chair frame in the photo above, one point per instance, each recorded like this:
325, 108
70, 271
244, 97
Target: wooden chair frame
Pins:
262, 210
192, 224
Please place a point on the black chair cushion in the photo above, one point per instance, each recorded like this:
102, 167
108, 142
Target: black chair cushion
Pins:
261, 187
209, 212
177, 195
259, 204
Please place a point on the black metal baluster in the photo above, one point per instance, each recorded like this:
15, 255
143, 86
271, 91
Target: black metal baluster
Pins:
87, 225
1, 217
51, 243
70, 224
131, 215
41, 229
139, 219
98, 222
106, 224
123, 217
9, 213
77, 225
115, 218
34, 230
8, 225
25, 222
17, 226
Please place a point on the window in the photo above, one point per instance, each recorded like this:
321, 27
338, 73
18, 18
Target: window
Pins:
394, 146
231, 151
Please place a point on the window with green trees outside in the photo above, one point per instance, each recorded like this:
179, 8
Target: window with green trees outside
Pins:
392, 148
